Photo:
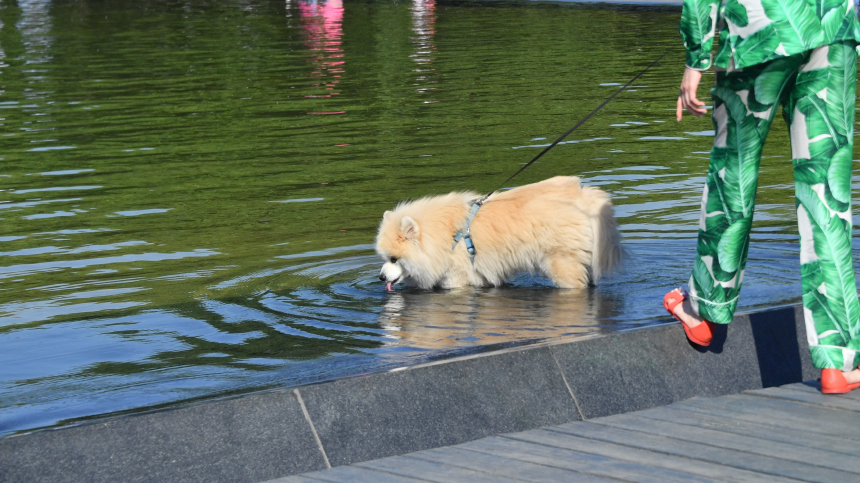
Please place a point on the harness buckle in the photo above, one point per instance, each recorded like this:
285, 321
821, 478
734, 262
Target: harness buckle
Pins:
465, 232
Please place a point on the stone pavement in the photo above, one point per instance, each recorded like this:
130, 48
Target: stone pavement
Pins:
787, 433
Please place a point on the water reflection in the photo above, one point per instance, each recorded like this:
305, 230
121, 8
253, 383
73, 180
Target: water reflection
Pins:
444, 321
424, 27
33, 24
323, 24
34, 29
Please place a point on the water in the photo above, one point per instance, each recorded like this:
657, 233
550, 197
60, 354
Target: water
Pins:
189, 190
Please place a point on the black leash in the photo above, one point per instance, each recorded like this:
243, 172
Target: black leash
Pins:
580, 123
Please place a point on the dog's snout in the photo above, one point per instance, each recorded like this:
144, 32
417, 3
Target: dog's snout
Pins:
390, 273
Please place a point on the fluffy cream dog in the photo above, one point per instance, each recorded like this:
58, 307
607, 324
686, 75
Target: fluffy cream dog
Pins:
556, 227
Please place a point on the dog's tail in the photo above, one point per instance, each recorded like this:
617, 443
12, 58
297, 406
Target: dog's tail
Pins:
607, 254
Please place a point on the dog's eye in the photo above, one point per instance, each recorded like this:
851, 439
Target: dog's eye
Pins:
393, 260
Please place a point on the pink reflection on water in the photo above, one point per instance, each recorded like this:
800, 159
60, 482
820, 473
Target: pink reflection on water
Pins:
424, 22
322, 22
424, 27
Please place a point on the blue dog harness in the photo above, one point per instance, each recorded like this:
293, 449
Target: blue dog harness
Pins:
464, 233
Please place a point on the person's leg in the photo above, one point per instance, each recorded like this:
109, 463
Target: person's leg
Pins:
745, 102
820, 113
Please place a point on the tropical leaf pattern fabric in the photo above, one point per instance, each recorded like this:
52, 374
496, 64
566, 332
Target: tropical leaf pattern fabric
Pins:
755, 31
816, 89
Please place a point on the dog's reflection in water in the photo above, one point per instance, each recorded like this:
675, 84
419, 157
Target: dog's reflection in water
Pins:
469, 317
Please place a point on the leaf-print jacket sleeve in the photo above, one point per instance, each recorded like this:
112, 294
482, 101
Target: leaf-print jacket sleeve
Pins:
698, 22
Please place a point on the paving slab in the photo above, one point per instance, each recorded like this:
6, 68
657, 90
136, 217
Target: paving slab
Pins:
365, 418
663, 444
801, 416
354, 474
432, 471
809, 395
796, 451
814, 387
698, 451
587, 463
296, 479
499, 465
762, 429
679, 463
658, 366
251, 438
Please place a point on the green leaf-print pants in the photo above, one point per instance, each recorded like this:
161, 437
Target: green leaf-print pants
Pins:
816, 91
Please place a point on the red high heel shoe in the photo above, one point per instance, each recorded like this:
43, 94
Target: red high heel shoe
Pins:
700, 334
833, 382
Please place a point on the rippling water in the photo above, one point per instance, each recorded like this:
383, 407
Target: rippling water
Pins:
189, 190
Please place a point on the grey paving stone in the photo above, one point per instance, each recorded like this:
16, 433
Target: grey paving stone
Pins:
796, 415
294, 479
381, 415
358, 475
586, 463
251, 438
648, 368
815, 386
759, 428
796, 451
501, 466
433, 471
681, 464
812, 396
703, 452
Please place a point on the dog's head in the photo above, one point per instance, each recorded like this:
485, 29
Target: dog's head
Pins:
399, 244
415, 239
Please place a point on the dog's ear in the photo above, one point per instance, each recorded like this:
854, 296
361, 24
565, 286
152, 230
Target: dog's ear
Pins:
408, 228
386, 214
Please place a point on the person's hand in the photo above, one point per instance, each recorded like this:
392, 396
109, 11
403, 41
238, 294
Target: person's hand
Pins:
687, 98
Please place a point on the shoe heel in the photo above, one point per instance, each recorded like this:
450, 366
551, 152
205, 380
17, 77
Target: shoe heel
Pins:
702, 333
833, 382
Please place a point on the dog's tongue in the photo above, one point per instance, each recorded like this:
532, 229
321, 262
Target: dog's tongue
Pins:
389, 287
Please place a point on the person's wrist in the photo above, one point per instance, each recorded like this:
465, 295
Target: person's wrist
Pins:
692, 74
695, 69
698, 60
